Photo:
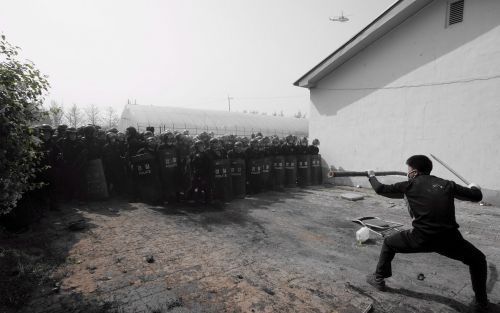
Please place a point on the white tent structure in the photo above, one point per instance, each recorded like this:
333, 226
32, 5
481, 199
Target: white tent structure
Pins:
219, 122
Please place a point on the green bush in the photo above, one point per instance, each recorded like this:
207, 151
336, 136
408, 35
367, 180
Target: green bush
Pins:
22, 91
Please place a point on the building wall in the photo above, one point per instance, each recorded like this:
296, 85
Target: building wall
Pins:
379, 128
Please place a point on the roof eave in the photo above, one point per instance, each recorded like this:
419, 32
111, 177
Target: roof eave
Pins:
384, 23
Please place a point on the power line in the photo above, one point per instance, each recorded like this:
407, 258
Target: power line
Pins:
462, 81
266, 98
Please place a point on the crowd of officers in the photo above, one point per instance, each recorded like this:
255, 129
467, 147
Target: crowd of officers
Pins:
172, 166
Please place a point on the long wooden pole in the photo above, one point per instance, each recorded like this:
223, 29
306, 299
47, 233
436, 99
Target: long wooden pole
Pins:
363, 173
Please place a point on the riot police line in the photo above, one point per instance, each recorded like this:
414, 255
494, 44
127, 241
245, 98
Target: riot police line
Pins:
89, 163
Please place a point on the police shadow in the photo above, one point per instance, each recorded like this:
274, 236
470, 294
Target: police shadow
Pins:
110, 207
235, 212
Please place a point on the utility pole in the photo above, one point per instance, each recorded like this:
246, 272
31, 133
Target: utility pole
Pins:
229, 102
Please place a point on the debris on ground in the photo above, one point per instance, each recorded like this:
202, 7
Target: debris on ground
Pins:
150, 258
368, 309
352, 196
91, 268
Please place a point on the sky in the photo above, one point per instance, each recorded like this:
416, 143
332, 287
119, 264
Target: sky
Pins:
183, 53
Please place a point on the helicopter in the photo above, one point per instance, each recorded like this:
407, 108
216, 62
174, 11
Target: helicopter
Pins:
342, 18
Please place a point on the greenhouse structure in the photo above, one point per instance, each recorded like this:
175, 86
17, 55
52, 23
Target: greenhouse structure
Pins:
164, 118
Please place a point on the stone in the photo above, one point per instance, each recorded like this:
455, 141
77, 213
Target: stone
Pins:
269, 291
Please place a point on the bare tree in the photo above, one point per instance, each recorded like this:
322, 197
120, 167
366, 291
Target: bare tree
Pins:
74, 116
111, 117
56, 113
298, 115
93, 114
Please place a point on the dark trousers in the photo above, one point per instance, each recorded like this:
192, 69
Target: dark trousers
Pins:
451, 245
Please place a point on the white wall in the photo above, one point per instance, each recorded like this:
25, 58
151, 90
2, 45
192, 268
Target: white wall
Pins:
460, 123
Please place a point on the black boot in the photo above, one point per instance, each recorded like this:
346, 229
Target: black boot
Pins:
377, 282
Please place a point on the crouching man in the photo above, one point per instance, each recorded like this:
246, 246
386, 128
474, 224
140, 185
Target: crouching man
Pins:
430, 201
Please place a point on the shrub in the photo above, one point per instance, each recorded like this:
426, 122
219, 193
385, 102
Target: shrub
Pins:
22, 91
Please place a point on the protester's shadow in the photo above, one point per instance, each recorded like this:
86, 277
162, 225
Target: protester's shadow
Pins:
492, 277
452, 303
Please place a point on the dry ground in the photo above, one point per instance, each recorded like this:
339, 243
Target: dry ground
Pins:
293, 251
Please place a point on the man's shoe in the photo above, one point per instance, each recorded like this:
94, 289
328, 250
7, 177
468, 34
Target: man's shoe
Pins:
376, 282
478, 307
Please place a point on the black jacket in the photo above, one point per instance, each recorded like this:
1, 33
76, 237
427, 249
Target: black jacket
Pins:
430, 201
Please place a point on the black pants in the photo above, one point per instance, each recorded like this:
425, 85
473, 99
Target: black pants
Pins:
451, 245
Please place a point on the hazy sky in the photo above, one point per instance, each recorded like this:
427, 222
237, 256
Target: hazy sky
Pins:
188, 53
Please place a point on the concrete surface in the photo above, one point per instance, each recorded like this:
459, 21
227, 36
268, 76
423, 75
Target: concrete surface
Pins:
276, 252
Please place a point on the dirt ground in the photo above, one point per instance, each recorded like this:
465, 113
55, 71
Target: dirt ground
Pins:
292, 251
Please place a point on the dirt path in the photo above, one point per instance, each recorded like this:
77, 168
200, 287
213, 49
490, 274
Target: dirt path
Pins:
276, 252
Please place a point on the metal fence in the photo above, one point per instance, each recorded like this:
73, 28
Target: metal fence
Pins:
219, 131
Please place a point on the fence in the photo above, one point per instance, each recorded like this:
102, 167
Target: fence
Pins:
218, 131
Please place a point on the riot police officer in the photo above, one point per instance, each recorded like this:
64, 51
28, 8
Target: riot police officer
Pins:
146, 172
132, 146
253, 167
303, 147
74, 159
200, 166
184, 145
168, 158
61, 133
288, 148
94, 148
113, 168
50, 158
237, 151
314, 148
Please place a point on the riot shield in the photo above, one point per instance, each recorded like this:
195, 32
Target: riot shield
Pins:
303, 170
147, 175
316, 172
221, 180
290, 171
278, 172
97, 188
255, 175
168, 171
266, 175
238, 178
